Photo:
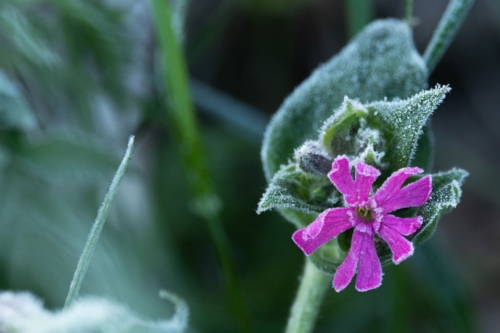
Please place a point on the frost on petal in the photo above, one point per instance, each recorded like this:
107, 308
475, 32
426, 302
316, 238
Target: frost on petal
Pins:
401, 247
412, 195
393, 184
341, 178
328, 225
369, 267
365, 176
403, 225
346, 270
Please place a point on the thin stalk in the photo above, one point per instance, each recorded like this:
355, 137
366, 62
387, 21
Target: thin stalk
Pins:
409, 13
359, 13
188, 141
452, 20
308, 301
95, 232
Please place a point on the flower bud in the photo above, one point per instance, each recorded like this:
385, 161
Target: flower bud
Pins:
312, 159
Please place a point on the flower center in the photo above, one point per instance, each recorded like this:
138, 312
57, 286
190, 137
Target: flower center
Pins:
365, 214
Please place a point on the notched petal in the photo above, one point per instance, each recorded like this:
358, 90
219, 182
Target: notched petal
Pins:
365, 176
403, 225
369, 269
327, 226
412, 195
401, 247
341, 177
393, 184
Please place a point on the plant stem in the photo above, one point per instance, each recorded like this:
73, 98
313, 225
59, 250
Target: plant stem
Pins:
95, 232
451, 21
308, 301
409, 13
188, 141
359, 13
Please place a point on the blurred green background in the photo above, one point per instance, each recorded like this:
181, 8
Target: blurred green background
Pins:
77, 77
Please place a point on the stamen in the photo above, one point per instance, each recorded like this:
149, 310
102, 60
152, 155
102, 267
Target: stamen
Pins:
365, 214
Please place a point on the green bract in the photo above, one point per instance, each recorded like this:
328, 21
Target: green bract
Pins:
367, 103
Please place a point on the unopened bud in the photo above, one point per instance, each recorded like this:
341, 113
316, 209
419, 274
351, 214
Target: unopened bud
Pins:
312, 159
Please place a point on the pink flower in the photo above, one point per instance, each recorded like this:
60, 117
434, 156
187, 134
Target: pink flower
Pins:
368, 216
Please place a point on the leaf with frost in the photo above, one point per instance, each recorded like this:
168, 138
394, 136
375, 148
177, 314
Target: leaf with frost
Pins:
424, 153
402, 123
24, 313
293, 189
380, 62
446, 193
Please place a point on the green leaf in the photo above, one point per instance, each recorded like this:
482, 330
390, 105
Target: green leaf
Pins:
402, 123
424, 154
15, 112
380, 62
446, 193
293, 189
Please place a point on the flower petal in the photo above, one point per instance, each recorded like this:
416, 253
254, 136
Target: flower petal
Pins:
369, 268
365, 176
393, 184
346, 270
403, 225
327, 225
401, 247
412, 195
342, 179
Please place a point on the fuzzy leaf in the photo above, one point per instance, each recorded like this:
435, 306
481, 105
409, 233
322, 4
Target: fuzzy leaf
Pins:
293, 189
380, 62
424, 153
445, 195
403, 122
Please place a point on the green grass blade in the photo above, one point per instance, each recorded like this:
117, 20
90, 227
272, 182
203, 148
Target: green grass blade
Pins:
95, 232
188, 141
452, 20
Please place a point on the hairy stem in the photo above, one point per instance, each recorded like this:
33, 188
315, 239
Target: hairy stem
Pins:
95, 232
188, 141
452, 20
308, 301
409, 13
359, 13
